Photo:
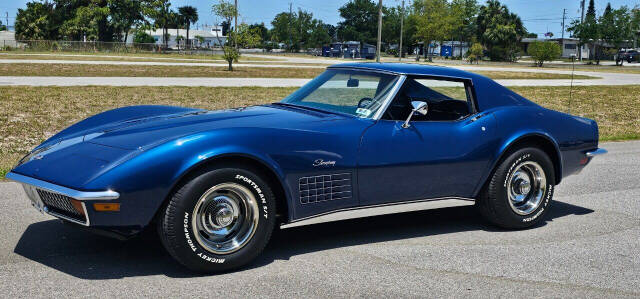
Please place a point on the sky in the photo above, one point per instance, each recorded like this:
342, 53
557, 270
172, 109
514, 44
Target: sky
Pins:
539, 16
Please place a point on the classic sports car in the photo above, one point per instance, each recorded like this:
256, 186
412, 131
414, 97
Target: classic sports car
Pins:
358, 140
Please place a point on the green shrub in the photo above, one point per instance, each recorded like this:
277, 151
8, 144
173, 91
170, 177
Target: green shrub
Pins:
475, 53
544, 51
142, 37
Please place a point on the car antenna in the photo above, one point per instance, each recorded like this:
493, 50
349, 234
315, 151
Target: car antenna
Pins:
573, 69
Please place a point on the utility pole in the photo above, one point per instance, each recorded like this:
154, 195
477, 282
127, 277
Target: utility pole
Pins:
289, 27
401, 32
235, 29
7, 19
564, 13
379, 31
581, 21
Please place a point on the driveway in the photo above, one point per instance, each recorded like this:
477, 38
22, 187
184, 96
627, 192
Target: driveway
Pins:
588, 246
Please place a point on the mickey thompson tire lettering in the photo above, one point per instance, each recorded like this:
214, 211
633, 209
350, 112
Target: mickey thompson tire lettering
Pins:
493, 202
193, 247
176, 221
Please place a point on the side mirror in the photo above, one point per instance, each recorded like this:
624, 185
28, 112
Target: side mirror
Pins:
353, 83
419, 107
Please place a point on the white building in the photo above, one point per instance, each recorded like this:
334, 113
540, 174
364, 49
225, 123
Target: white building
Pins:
211, 35
569, 46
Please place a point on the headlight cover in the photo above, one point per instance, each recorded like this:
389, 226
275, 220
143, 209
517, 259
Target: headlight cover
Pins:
35, 153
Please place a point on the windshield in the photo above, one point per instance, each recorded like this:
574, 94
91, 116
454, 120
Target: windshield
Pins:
353, 92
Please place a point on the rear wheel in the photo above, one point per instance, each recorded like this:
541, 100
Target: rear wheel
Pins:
520, 190
219, 220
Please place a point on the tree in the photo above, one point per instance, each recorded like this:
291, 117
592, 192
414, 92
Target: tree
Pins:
189, 16
124, 14
246, 37
615, 27
635, 25
544, 51
360, 21
464, 15
282, 29
227, 12
86, 23
159, 11
35, 22
262, 30
319, 35
2, 27
174, 20
499, 31
391, 17
475, 53
432, 19
230, 54
331, 30
299, 30
141, 37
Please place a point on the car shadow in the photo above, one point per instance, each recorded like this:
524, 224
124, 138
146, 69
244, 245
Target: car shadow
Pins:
85, 255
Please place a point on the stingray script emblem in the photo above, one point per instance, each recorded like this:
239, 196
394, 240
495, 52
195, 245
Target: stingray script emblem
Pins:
320, 162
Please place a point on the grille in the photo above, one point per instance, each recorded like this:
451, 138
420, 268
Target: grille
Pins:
325, 187
60, 204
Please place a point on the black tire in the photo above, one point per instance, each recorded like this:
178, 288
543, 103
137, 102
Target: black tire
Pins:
175, 221
494, 202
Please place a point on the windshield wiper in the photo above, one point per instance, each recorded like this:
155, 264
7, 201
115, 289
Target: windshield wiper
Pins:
306, 108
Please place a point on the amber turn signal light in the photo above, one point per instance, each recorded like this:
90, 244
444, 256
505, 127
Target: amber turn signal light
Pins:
106, 207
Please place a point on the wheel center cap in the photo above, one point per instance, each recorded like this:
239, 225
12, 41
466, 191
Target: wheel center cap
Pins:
224, 217
524, 187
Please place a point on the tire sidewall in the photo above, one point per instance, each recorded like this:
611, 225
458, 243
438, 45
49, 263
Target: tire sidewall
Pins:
507, 169
186, 246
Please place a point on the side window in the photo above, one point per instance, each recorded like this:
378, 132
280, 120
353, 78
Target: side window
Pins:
447, 100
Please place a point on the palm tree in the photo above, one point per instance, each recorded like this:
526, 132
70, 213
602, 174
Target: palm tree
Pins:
175, 20
189, 16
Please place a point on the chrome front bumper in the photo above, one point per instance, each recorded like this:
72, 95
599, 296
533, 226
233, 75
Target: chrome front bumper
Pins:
33, 186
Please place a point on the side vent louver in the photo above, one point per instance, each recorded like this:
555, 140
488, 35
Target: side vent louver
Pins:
325, 187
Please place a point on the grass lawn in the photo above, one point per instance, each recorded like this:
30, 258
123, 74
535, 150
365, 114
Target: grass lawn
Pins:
119, 56
32, 114
105, 70
626, 69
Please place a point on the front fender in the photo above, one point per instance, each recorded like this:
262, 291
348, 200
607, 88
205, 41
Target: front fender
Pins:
145, 181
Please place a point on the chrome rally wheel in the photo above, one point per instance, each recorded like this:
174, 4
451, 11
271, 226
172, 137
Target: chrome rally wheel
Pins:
526, 187
520, 189
225, 218
218, 219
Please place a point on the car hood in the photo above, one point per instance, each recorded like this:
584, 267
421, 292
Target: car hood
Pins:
163, 123
103, 141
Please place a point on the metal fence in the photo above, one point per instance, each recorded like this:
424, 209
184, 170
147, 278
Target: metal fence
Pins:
94, 46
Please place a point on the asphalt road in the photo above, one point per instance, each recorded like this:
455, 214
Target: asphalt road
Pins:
603, 78
588, 246
606, 79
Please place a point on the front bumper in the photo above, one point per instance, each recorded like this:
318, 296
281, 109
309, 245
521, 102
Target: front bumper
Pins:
59, 201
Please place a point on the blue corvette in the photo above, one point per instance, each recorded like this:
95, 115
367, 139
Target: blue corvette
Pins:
359, 140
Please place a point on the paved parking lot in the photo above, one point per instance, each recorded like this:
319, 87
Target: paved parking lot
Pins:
589, 246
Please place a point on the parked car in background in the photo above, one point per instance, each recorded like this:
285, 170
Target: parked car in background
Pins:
361, 139
629, 55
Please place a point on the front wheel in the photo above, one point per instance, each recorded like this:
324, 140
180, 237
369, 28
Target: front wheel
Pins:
219, 220
520, 190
